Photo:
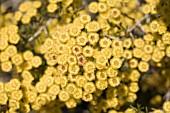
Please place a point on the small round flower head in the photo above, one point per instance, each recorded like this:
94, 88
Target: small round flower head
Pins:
4, 56
127, 43
133, 87
114, 12
114, 81
74, 31
81, 40
102, 7
148, 49
27, 76
78, 23
32, 12
85, 18
51, 8
105, 42
31, 96
71, 103
14, 84
6, 66
17, 15
139, 43
154, 25
77, 49
72, 60
36, 61
93, 7
78, 93
92, 26
131, 97
89, 66
81, 60
73, 69
162, 29
71, 88
63, 95
133, 63
101, 60
26, 19
3, 42
146, 9
25, 6
40, 87
49, 43
80, 81
89, 87
116, 63
93, 38
54, 90
37, 4
137, 52
101, 84
166, 38
63, 37
166, 106
28, 55
111, 72
134, 75
3, 99
148, 37
11, 50
87, 97
62, 69
143, 66
117, 43
127, 54
47, 80
111, 3
89, 76
101, 75
16, 95
17, 59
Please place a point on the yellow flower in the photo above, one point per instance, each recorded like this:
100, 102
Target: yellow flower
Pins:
36, 61
37, 4
101, 84
16, 95
63, 95
102, 7
40, 87
116, 63
51, 8
114, 81
85, 18
3, 99
143, 66
27, 76
71, 103
166, 106
93, 7
28, 55
6, 66
87, 97
92, 26
17, 59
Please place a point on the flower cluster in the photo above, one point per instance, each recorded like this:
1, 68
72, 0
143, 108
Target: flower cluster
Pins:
90, 55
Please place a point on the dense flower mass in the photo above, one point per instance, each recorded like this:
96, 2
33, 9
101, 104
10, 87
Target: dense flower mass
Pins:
71, 52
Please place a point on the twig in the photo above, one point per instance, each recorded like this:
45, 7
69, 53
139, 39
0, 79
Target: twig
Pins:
40, 30
138, 23
167, 96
